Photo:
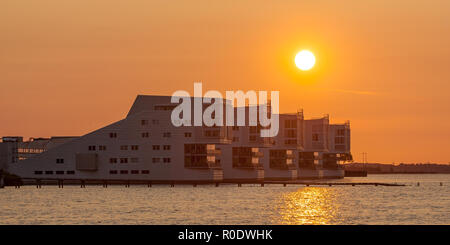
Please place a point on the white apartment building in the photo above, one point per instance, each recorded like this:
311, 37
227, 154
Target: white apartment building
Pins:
146, 146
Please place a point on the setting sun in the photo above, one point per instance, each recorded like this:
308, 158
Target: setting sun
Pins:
305, 60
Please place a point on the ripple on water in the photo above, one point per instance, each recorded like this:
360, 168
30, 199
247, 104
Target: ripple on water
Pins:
428, 203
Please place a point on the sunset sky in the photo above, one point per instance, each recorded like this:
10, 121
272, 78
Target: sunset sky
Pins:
70, 67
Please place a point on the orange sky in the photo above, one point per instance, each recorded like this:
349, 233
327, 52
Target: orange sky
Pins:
69, 67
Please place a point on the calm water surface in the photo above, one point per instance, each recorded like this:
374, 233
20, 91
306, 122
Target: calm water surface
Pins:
428, 203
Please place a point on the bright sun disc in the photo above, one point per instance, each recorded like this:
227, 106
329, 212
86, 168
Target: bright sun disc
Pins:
305, 60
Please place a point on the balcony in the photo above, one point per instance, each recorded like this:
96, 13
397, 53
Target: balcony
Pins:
281, 163
257, 154
202, 164
290, 154
213, 151
247, 165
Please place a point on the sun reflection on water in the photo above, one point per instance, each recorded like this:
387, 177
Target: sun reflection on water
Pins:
311, 205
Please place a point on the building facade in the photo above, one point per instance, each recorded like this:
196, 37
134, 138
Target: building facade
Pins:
146, 146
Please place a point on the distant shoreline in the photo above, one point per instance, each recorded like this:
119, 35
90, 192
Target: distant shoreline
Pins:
378, 168
406, 173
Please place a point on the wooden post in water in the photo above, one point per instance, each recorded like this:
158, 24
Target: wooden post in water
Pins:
2, 181
61, 183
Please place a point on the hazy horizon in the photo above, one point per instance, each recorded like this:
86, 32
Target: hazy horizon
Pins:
67, 68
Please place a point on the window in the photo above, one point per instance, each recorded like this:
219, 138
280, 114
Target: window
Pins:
134, 159
339, 140
164, 107
290, 142
155, 122
123, 147
38, 172
166, 159
290, 133
113, 160
290, 124
123, 171
91, 148
59, 172
144, 122
155, 160
166, 147
156, 147
188, 135
112, 171
70, 172
134, 147
123, 160
145, 134
59, 160
340, 132
166, 134
102, 147
48, 172
134, 171
112, 135
315, 137
145, 172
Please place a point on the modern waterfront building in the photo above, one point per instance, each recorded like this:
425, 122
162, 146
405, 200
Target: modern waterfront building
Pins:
338, 151
142, 146
316, 144
281, 158
8, 151
326, 146
146, 146
14, 148
243, 158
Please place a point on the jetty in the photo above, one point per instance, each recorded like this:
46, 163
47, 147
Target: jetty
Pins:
239, 183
